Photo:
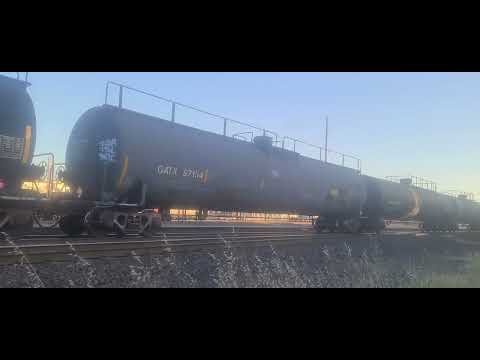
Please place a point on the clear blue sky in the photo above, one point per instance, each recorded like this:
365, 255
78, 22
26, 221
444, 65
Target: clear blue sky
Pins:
422, 124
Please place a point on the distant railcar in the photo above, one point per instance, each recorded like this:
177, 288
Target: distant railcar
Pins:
438, 211
390, 200
469, 213
400, 201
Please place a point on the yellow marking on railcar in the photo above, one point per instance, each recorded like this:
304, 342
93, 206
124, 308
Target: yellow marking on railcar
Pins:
27, 144
416, 208
124, 172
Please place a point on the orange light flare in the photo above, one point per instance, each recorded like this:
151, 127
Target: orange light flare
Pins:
42, 187
221, 216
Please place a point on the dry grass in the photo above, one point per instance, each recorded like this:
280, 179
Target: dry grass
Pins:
468, 278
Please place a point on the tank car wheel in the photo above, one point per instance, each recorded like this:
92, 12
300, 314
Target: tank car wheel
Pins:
320, 225
332, 228
319, 229
146, 225
380, 226
352, 226
4, 220
119, 232
120, 225
332, 225
157, 223
72, 225
16, 224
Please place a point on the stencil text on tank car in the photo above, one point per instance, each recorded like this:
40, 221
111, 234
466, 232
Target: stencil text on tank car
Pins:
11, 147
167, 170
175, 172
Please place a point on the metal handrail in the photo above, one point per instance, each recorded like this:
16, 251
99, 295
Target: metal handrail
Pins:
321, 150
295, 141
175, 104
458, 193
240, 135
226, 120
51, 171
416, 181
18, 76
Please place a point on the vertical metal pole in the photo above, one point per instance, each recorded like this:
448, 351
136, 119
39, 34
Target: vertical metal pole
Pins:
52, 175
104, 180
224, 127
295, 146
106, 93
283, 144
51, 165
326, 141
173, 112
49, 177
120, 98
343, 160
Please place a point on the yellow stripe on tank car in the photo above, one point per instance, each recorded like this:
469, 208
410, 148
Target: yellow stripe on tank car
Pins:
205, 177
27, 144
417, 205
124, 172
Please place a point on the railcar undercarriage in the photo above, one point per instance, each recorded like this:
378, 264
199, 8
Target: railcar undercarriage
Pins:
349, 225
18, 217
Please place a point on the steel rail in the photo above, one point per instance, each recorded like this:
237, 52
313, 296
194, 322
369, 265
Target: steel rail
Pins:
169, 250
137, 242
164, 245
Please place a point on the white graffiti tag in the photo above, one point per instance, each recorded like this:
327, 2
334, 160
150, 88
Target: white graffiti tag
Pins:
107, 150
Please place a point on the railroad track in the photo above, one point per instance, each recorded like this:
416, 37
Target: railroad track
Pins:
60, 248
54, 246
